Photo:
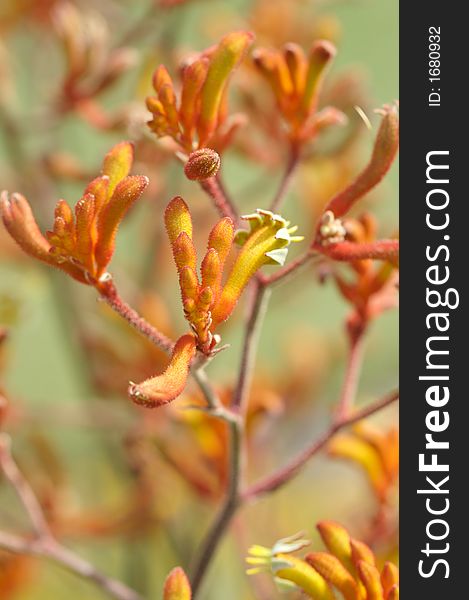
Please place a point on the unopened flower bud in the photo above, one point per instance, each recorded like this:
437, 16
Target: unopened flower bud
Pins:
202, 164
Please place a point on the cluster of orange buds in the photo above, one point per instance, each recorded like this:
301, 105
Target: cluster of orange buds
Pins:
349, 566
297, 81
373, 450
354, 240
200, 118
92, 66
177, 586
81, 242
207, 301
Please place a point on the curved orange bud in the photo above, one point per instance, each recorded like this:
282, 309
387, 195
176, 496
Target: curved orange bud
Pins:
164, 388
333, 571
221, 238
184, 252
99, 187
177, 219
389, 578
384, 152
125, 194
211, 270
297, 65
193, 78
225, 58
393, 593
177, 586
320, 56
167, 97
161, 77
117, 164
19, 220
369, 576
85, 229
337, 540
362, 552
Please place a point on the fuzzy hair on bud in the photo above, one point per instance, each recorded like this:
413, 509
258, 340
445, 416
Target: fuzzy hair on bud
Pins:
202, 164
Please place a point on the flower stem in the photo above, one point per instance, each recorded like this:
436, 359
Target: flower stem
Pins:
287, 473
352, 374
110, 295
210, 544
287, 179
287, 271
44, 544
259, 307
223, 204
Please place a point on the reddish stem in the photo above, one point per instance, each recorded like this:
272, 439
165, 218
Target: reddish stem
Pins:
285, 272
288, 472
352, 373
222, 203
110, 294
290, 170
348, 251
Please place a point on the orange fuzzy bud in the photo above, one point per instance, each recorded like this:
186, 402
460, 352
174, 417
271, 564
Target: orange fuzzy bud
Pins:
369, 576
177, 219
117, 164
211, 270
85, 231
126, 193
177, 586
389, 578
362, 552
297, 65
384, 152
337, 540
19, 220
393, 593
99, 187
202, 164
333, 571
161, 77
221, 238
193, 78
225, 58
162, 389
184, 252
188, 283
320, 56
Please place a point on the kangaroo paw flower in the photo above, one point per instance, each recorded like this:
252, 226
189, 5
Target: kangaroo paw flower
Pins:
164, 388
82, 241
199, 118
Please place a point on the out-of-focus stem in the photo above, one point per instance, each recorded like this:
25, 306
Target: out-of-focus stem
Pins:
258, 309
69, 560
287, 179
209, 545
44, 543
287, 271
352, 374
221, 201
110, 295
285, 474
